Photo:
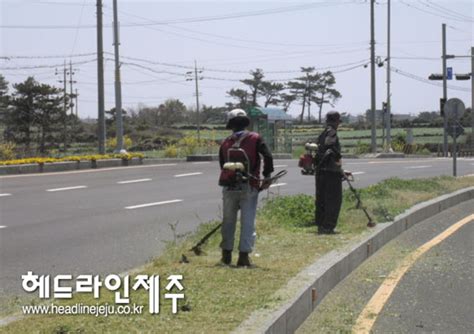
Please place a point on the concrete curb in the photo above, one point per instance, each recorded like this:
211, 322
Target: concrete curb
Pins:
310, 286
80, 165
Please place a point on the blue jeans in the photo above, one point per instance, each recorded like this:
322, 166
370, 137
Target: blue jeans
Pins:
246, 200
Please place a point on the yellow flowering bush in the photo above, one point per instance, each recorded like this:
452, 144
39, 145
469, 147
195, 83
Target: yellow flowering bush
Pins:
77, 158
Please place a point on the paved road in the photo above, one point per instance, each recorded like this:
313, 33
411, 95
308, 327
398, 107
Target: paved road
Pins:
435, 295
108, 221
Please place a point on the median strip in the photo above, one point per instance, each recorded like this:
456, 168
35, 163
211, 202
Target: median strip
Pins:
152, 204
188, 174
133, 181
68, 188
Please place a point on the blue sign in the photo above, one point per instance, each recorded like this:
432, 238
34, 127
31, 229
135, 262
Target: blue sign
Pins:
449, 73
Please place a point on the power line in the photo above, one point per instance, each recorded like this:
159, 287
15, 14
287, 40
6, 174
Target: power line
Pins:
446, 11
78, 24
277, 10
45, 66
49, 56
431, 12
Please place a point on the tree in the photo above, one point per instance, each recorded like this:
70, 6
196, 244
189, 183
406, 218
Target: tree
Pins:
111, 121
286, 100
242, 96
4, 98
271, 91
171, 112
304, 88
36, 109
255, 84
327, 94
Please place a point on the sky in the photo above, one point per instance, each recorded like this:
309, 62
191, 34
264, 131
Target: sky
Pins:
161, 40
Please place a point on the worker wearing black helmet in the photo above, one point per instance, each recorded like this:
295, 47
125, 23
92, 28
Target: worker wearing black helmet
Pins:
328, 176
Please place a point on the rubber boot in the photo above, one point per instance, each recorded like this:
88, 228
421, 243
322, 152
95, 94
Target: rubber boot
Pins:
226, 257
244, 260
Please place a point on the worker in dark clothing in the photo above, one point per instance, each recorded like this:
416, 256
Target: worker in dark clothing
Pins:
239, 158
328, 176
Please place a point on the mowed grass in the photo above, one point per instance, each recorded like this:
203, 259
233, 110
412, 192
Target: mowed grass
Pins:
219, 298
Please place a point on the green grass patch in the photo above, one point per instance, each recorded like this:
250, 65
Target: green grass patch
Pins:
220, 298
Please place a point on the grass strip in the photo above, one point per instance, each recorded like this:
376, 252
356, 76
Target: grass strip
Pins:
219, 298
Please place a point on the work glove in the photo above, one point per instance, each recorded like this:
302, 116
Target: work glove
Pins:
348, 175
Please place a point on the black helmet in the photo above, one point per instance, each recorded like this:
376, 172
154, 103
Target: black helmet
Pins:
333, 116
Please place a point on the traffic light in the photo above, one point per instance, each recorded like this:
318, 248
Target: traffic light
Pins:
435, 77
463, 76
442, 102
384, 107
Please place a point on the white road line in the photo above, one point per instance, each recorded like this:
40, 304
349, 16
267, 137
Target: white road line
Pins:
280, 166
278, 185
5, 195
133, 181
417, 167
152, 204
1, 226
189, 174
91, 170
358, 173
68, 188
201, 162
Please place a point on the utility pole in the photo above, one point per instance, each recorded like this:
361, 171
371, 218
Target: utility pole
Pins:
197, 101
71, 73
77, 104
388, 119
64, 81
372, 75
196, 79
100, 80
118, 88
445, 92
472, 99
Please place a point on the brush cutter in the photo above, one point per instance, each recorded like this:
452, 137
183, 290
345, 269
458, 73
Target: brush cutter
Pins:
347, 176
264, 184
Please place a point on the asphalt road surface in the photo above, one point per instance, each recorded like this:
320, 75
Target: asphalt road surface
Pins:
434, 295
112, 220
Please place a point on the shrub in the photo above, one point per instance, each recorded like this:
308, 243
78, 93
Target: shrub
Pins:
189, 145
112, 143
362, 148
171, 151
7, 151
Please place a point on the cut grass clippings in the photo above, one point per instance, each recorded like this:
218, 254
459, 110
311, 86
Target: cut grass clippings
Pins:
219, 298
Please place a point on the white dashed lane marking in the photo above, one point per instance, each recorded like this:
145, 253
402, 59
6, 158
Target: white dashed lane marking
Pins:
2, 226
152, 204
188, 174
201, 162
358, 173
278, 185
5, 195
418, 167
68, 188
133, 181
280, 166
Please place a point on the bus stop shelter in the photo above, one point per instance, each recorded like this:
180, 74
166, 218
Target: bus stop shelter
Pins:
274, 125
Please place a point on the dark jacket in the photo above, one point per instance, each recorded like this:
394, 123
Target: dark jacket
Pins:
329, 151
